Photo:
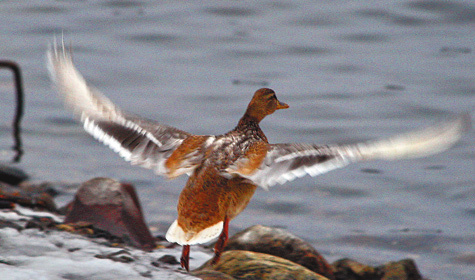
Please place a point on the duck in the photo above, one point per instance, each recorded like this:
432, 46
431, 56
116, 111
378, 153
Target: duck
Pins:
225, 170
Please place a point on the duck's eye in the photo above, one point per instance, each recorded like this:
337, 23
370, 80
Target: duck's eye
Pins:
272, 96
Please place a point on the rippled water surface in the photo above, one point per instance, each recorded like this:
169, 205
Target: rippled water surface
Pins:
350, 71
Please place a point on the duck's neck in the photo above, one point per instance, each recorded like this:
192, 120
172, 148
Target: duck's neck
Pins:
247, 121
250, 126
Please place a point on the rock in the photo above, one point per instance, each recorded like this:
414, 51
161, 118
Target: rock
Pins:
346, 269
168, 259
50, 188
41, 223
280, 243
401, 270
12, 175
212, 275
5, 204
119, 256
59, 254
32, 198
252, 265
113, 207
9, 224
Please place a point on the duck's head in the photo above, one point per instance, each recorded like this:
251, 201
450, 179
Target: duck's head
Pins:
263, 103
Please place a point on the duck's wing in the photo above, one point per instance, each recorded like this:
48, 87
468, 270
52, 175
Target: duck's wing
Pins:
142, 142
285, 162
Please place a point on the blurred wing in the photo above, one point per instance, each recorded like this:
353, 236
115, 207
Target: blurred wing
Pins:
140, 141
285, 162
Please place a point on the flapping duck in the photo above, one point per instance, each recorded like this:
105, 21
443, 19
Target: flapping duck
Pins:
224, 170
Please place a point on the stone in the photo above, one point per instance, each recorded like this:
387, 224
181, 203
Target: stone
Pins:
280, 243
41, 223
168, 259
401, 270
212, 275
113, 207
122, 256
50, 188
346, 269
12, 175
31, 198
5, 204
252, 266
10, 224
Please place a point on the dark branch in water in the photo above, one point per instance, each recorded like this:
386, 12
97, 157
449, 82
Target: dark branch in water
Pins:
19, 106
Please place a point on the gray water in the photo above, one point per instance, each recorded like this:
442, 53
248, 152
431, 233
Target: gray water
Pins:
350, 71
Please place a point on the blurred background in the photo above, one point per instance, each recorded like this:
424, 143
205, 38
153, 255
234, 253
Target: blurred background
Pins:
350, 71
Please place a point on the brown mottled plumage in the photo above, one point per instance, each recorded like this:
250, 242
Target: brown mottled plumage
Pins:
225, 170
213, 194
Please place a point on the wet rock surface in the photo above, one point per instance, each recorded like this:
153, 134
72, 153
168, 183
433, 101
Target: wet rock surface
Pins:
35, 245
353, 270
347, 269
282, 244
36, 197
169, 260
113, 207
106, 216
12, 175
212, 275
252, 265
403, 269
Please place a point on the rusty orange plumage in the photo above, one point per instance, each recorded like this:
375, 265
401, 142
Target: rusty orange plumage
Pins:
214, 193
226, 169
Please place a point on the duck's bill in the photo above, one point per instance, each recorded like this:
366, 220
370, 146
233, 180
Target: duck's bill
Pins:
282, 105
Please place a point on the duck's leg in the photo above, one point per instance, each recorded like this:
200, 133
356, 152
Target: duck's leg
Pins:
185, 257
223, 237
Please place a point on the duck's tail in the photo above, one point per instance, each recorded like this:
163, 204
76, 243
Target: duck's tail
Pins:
176, 234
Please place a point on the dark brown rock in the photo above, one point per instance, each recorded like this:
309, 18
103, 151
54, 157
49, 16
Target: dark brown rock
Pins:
32, 198
41, 223
50, 188
122, 256
346, 269
114, 207
12, 175
5, 204
212, 275
280, 243
401, 270
168, 259
252, 266
9, 224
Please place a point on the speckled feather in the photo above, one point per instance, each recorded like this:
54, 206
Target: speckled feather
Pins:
226, 169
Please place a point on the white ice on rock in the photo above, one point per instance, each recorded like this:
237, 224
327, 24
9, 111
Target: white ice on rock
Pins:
54, 255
